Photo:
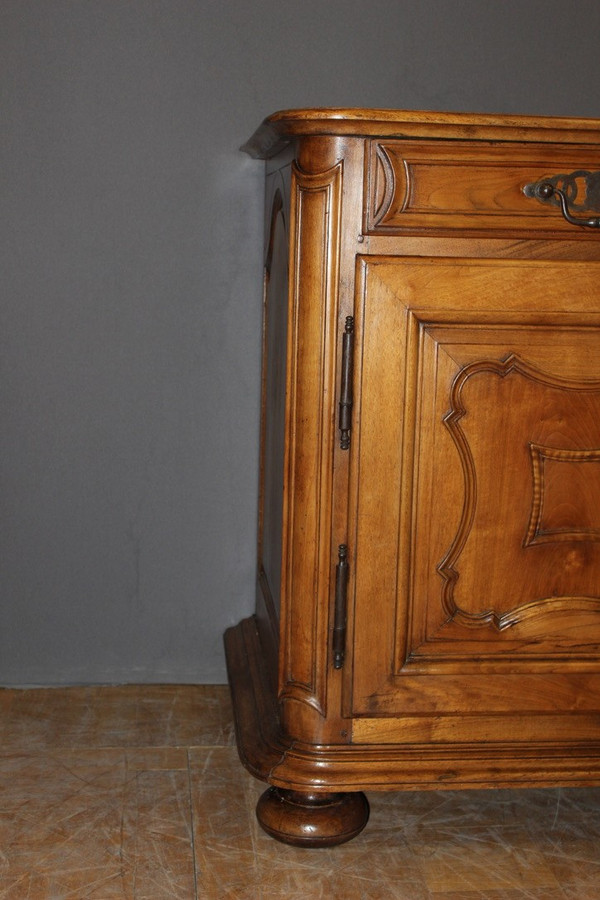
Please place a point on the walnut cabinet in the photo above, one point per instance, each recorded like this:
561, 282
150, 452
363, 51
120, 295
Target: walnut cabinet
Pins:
428, 592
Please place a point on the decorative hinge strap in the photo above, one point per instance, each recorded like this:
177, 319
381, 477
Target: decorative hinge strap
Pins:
340, 613
346, 384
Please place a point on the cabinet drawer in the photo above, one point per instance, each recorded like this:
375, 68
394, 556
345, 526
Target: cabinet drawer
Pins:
455, 185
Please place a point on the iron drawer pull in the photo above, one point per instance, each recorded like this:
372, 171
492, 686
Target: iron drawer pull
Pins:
546, 189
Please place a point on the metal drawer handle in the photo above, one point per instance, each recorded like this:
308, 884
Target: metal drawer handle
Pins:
547, 189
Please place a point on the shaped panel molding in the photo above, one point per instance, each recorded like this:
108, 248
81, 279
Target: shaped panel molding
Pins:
566, 495
564, 486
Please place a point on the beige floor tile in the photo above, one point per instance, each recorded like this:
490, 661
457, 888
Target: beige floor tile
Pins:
88, 885
189, 715
483, 863
493, 894
137, 793
72, 826
156, 845
119, 716
582, 891
222, 809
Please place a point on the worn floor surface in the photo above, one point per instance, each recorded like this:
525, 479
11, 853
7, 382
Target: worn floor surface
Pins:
137, 793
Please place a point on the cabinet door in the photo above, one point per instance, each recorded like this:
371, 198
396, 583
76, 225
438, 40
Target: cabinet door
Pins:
475, 501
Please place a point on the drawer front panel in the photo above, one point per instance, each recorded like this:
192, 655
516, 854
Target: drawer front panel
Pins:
448, 185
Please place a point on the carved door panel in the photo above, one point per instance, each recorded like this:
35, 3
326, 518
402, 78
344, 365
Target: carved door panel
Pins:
476, 501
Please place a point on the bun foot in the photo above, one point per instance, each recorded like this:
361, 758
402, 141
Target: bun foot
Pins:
312, 819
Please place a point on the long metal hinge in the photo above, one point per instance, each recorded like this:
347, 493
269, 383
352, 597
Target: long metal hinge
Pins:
342, 571
345, 421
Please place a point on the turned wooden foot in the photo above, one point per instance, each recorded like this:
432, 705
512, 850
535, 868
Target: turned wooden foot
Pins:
312, 819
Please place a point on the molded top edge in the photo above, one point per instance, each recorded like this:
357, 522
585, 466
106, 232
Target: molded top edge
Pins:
280, 128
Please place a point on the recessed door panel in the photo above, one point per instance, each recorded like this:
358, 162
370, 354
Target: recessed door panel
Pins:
476, 489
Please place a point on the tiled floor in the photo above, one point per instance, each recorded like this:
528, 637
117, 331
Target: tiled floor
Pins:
137, 793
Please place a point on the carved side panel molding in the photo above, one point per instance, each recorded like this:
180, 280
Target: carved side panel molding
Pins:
390, 183
315, 228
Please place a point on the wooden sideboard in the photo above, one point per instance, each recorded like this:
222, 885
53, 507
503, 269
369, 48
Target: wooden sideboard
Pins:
428, 602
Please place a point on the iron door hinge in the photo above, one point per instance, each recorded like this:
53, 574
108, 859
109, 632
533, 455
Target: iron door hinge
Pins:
342, 571
346, 399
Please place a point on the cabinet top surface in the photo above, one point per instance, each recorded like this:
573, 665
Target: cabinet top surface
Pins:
282, 127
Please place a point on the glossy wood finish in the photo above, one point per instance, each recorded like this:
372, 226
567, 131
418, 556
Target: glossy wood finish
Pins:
430, 186
314, 819
279, 129
468, 495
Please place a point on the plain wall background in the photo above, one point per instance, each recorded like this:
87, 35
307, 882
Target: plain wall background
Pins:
131, 286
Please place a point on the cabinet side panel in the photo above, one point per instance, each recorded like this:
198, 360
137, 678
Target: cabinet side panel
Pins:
315, 228
275, 323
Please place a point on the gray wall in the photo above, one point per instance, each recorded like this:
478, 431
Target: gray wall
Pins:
130, 306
